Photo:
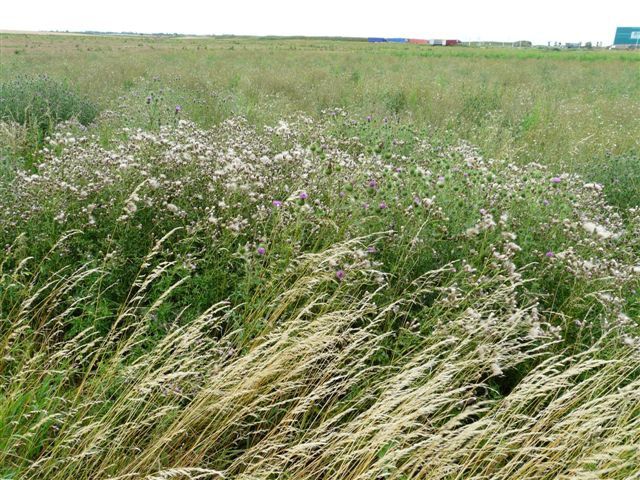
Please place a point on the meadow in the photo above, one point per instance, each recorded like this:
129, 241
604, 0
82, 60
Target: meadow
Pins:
261, 258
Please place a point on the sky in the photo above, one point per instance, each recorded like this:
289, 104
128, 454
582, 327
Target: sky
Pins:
539, 21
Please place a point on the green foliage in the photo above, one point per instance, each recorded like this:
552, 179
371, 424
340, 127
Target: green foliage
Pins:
354, 291
620, 176
40, 102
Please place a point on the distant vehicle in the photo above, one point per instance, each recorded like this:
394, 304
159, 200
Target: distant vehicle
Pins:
573, 45
522, 44
452, 43
437, 42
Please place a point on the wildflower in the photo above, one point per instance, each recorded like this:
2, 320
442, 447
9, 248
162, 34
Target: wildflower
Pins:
178, 109
340, 274
549, 254
373, 183
131, 208
599, 230
368, 118
593, 186
276, 203
513, 247
303, 195
382, 205
261, 251
372, 249
172, 208
556, 180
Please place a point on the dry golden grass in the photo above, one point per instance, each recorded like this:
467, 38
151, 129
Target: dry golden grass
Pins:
306, 398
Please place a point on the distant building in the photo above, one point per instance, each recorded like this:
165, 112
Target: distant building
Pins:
522, 43
627, 37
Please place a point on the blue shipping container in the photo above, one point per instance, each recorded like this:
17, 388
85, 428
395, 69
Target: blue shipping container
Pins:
627, 36
397, 40
376, 39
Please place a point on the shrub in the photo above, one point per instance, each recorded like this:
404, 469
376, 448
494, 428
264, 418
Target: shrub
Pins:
620, 176
40, 102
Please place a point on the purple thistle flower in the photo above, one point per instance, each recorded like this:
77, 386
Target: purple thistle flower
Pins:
368, 118
303, 195
276, 203
340, 275
178, 109
371, 249
373, 183
556, 180
382, 206
550, 254
261, 251
545, 202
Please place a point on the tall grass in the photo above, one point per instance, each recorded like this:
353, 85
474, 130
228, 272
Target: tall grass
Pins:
307, 397
564, 109
200, 283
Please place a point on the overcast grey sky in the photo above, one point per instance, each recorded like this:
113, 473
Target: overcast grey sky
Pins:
539, 21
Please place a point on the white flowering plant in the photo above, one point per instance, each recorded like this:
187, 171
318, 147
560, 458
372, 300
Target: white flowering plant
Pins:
319, 297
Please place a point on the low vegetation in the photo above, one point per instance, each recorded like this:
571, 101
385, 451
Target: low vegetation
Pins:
291, 292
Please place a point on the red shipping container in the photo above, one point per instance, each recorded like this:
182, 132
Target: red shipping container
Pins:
451, 43
419, 41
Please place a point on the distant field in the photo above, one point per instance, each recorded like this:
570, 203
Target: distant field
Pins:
565, 108
310, 259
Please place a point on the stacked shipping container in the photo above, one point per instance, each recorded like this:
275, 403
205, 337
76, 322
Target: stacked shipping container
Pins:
415, 41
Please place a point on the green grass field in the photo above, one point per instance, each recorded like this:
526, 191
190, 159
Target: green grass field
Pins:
317, 259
